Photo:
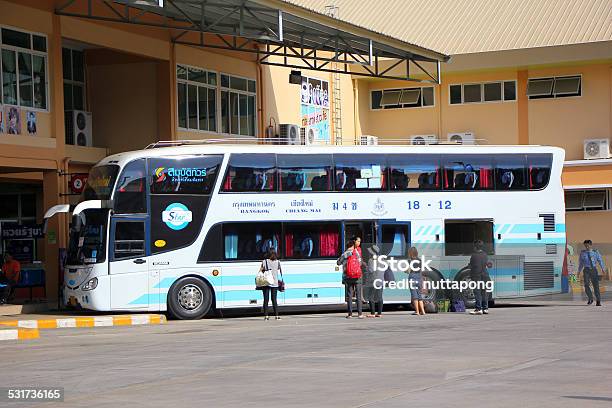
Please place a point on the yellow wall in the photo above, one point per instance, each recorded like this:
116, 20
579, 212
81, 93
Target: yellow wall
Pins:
566, 122
124, 100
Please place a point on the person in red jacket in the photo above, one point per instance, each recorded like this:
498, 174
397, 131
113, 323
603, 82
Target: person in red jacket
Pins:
11, 272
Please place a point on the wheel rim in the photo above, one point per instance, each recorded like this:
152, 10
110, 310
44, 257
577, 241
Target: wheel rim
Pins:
190, 297
468, 294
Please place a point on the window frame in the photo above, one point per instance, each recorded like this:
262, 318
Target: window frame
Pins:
402, 107
607, 205
128, 219
239, 92
198, 85
31, 51
482, 92
553, 95
73, 82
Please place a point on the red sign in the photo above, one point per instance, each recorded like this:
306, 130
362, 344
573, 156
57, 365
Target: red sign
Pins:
77, 183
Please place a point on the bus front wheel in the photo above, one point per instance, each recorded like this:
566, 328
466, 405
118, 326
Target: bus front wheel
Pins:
189, 299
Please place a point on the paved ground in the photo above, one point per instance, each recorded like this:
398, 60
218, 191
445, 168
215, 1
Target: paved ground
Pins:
557, 355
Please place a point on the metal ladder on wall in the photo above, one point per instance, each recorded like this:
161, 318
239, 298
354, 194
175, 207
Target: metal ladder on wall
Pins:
336, 111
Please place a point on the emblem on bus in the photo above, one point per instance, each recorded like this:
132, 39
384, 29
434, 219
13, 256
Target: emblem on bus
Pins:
176, 216
379, 208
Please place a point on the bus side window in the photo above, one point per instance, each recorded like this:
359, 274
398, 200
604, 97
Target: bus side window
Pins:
510, 172
250, 241
539, 170
311, 241
407, 172
468, 172
360, 172
299, 172
250, 173
130, 194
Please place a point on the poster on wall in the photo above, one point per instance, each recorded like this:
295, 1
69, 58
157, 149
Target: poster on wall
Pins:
315, 109
13, 120
31, 123
1, 119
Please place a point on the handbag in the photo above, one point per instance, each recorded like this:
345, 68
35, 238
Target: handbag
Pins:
281, 282
264, 277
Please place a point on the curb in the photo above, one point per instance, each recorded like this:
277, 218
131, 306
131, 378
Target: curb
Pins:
96, 321
18, 334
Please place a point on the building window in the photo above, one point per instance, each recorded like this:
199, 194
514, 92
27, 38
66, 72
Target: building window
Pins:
587, 200
554, 87
24, 68
73, 65
482, 92
402, 98
197, 98
238, 107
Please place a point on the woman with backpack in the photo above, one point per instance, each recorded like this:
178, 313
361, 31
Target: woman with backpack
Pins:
271, 264
415, 277
352, 277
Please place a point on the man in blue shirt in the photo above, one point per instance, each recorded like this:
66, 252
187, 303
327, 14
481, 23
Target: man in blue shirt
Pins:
589, 258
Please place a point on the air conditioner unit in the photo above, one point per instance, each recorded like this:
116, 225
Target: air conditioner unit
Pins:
464, 138
309, 135
78, 128
424, 139
596, 149
368, 140
290, 134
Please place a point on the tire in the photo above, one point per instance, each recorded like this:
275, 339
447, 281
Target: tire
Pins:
467, 295
189, 298
434, 294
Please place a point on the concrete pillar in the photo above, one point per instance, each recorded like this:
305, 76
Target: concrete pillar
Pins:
523, 107
52, 240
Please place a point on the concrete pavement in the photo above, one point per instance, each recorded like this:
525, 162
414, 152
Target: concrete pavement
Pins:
535, 356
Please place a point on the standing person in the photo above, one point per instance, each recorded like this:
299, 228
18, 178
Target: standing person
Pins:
589, 258
478, 273
358, 248
374, 281
352, 277
272, 264
416, 280
11, 272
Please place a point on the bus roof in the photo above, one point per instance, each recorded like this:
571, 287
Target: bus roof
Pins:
121, 158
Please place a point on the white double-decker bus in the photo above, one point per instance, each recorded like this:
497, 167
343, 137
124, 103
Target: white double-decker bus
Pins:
183, 227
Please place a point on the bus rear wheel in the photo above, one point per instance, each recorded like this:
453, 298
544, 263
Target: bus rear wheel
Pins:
469, 300
189, 299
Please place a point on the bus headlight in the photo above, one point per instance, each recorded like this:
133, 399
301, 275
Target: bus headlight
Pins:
91, 284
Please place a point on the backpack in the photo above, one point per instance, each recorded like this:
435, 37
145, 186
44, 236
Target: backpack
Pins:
353, 267
458, 306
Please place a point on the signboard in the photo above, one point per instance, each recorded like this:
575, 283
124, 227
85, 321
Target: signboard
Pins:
315, 108
15, 231
77, 183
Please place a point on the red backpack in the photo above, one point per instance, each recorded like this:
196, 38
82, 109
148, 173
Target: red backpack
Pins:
353, 266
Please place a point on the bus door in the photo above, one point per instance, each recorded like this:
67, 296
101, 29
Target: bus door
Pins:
393, 240
128, 266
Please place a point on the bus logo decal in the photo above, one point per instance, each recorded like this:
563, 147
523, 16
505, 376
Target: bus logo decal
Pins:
160, 174
177, 216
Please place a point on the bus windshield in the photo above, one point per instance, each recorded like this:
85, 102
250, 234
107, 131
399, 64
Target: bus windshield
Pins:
87, 242
100, 182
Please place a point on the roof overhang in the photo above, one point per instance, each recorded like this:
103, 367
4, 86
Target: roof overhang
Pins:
276, 32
